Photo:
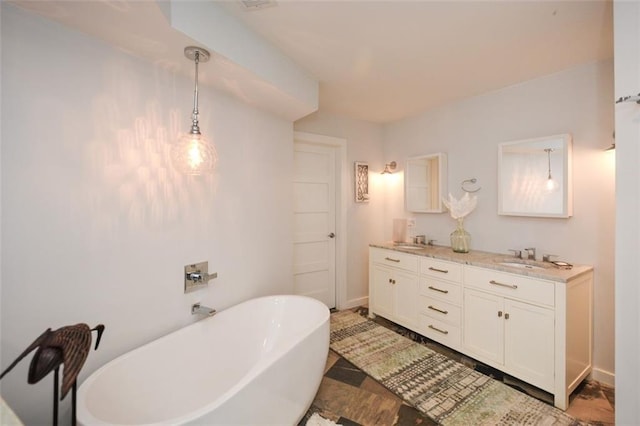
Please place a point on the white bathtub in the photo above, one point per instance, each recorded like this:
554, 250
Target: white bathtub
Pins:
259, 362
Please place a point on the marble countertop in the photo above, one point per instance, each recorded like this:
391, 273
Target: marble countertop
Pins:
483, 259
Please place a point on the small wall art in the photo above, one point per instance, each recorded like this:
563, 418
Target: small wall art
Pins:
361, 181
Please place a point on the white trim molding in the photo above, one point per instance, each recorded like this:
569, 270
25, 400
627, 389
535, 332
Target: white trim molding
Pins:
605, 377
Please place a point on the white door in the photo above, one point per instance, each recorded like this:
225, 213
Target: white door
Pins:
314, 235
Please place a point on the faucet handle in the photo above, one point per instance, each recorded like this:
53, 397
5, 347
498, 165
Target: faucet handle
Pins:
517, 253
531, 253
547, 257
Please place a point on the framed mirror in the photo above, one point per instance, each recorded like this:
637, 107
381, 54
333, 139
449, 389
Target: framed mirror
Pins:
534, 177
425, 182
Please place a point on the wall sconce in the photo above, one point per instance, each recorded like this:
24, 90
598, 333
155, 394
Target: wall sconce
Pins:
193, 154
389, 168
551, 184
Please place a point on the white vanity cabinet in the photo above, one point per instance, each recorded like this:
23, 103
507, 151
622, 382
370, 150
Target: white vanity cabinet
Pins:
394, 286
514, 335
538, 330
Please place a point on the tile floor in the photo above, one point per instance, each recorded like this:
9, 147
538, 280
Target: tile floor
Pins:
349, 397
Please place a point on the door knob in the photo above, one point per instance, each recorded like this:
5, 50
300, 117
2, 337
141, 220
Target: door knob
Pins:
331, 235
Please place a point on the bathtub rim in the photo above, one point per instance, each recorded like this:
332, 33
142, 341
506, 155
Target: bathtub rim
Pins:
89, 419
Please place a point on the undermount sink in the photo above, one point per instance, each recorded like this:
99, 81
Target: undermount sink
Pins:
408, 246
521, 265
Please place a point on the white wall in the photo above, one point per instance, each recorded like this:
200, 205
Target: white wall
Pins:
364, 220
577, 101
627, 78
96, 227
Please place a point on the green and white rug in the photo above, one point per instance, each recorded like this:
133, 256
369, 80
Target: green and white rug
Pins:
441, 388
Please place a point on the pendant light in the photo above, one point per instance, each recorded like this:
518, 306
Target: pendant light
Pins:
193, 154
551, 184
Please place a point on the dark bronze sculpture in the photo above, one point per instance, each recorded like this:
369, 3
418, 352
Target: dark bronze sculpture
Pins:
68, 345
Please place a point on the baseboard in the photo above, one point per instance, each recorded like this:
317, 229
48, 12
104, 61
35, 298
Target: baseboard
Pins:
354, 303
605, 377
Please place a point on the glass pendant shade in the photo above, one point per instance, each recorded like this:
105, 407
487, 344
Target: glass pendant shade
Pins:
194, 155
551, 184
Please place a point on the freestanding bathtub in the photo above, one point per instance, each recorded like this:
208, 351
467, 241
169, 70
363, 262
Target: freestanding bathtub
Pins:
259, 362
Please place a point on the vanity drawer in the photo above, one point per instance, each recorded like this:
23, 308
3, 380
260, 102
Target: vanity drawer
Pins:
440, 310
441, 269
440, 331
511, 285
395, 259
441, 290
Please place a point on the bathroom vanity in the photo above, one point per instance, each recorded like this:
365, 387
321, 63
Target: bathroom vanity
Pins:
530, 320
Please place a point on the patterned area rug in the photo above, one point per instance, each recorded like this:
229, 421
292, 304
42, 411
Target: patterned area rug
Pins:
444, 390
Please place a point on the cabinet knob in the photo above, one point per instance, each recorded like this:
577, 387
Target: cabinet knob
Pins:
506, 316
499, 314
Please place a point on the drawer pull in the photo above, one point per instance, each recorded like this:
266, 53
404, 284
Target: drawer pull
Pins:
438, 310
513, 286
438, 330
438, 289
392, 260
444, 271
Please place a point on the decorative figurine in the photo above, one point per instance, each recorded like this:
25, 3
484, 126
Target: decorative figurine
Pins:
68, 345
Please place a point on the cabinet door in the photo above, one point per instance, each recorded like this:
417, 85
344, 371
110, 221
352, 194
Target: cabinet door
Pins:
382, 287
406, 298
483, 331
529, 343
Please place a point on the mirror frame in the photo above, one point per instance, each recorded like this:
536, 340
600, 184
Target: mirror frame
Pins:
441, 184
567, 184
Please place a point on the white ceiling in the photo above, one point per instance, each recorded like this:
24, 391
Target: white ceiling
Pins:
385, 60
382, 61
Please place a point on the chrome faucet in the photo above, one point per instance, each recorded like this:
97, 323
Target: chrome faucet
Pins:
198, 309
531, 253
419, 239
